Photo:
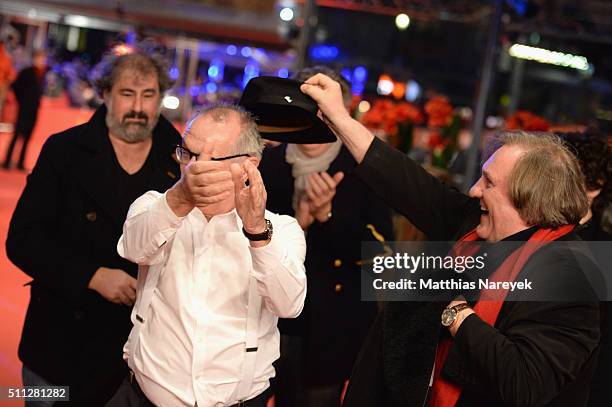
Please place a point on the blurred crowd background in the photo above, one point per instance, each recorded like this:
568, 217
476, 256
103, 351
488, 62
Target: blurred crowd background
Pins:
431, 77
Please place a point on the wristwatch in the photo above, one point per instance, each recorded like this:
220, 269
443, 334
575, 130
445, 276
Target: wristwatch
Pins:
259, 237
449, 315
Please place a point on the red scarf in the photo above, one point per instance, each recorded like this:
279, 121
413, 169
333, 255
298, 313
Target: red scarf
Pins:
445, 393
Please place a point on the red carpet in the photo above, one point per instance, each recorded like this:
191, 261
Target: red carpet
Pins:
54, 116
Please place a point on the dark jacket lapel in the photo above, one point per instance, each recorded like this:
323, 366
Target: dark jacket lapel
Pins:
95, 164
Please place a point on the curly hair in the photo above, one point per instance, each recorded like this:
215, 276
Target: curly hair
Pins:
595, 160
593, 155
145, 57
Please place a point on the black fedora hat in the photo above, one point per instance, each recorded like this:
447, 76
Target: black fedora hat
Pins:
283, 113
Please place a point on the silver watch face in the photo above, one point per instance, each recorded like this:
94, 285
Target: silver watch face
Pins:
448, 316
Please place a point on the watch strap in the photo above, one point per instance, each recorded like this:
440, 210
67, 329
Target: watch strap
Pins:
460, 307
258, 237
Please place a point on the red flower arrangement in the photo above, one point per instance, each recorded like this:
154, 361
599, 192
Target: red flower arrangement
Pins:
524, 120
439, 111
387, 115
436, 141
397, 121
444, 128
409, 112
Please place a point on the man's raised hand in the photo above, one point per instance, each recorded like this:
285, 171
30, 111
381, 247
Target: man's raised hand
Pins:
250, 200
328, 95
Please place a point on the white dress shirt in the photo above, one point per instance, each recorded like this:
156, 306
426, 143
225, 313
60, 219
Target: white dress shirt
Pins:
191, 343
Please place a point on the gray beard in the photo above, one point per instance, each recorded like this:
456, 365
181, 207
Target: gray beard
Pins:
131, 133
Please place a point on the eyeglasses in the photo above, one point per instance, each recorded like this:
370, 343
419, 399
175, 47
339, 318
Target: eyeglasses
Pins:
184, 155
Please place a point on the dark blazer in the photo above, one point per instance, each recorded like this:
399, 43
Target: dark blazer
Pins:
334, 321
66, 225
28, 88
600, 386
537, 354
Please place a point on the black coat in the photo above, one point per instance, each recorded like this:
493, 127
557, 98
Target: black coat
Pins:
537, 354
66, 225
28, 88
334, 321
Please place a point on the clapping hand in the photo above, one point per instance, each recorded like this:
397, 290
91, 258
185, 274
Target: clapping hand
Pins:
320, 191
302, 213
250, 200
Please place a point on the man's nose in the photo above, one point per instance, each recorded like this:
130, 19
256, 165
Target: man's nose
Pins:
476, 190
137, 104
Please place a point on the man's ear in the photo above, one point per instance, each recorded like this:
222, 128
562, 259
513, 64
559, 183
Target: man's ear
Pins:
254, 160
592, 194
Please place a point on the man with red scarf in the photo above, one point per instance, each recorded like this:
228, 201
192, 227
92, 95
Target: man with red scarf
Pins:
501, 352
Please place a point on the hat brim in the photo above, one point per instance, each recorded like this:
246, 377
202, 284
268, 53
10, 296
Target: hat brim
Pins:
289, 124
318, 133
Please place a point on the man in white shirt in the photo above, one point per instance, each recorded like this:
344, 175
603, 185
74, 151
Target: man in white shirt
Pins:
216, 270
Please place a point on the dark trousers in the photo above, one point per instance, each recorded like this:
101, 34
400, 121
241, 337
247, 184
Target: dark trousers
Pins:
88, 394
290, 387
24, 147
130, 394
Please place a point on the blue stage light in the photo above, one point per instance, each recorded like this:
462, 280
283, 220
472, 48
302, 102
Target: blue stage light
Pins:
246, 52
347, 74
360, 74
324, 52
211, 87
251, 70
215, 70
283, 73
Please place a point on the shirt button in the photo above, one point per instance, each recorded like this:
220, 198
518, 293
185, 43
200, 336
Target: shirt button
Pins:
338, 288
91, 216
337, 263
